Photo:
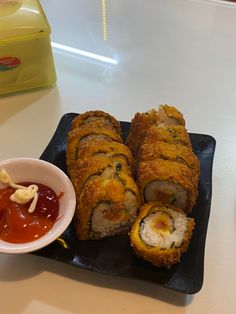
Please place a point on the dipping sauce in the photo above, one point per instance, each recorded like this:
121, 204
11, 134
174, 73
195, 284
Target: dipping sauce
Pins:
17, 225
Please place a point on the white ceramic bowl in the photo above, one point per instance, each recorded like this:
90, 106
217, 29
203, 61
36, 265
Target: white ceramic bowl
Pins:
36, 170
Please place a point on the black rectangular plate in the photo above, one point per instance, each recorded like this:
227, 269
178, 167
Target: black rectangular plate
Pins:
114, 256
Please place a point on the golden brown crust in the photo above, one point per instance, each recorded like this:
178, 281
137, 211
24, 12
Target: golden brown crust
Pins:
107, 167
139, 126
141, 123
156, 256
99, 166
172, 134
173, 113
110, 190
97, 115
177, 152
76, 136
130, 185
164, 170
161, 134
109, 149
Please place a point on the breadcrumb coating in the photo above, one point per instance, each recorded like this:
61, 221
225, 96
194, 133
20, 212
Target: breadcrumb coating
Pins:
110, 191
99, 166
172, 134
170, 171
80, 135
139, 126
141, 123
109, 149
97, 115
107, 167
172, 113
172, 152
158, 256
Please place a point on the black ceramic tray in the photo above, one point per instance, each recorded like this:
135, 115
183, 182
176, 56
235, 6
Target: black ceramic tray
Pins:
114, 256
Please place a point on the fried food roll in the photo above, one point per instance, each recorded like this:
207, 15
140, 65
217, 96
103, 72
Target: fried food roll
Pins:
170, 115
79, 136
168, 182
172, 134
97, 116
177, 152
106, 207
161, 234
139, 126
106, 149
143, 121
97, 166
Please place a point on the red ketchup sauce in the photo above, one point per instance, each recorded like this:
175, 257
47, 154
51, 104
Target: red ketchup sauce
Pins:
19, 226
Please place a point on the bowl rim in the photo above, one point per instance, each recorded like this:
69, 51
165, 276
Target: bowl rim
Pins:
61, 224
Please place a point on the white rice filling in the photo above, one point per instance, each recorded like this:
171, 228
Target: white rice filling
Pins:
102, 225
151, 193
153, 237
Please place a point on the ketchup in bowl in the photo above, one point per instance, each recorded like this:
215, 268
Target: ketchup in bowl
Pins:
17, 225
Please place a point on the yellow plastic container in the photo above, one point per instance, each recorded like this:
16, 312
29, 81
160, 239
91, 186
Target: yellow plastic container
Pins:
26, 59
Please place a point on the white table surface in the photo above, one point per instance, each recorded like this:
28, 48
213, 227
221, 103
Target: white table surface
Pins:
181, 52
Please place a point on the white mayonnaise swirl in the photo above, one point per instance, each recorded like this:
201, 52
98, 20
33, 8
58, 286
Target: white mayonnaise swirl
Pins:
23, 194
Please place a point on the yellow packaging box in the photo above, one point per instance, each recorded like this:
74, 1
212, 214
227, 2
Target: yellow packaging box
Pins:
26, 59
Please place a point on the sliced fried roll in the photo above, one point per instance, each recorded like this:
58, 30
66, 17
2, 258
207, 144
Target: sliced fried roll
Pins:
106, 207
168, 182
172, 134
170, 115
177, 152
81, 135
161, 234
97, 166
139, 126
143, 121
106, 149
97, 116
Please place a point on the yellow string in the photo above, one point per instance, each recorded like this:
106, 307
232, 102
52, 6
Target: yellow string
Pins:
104, 19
